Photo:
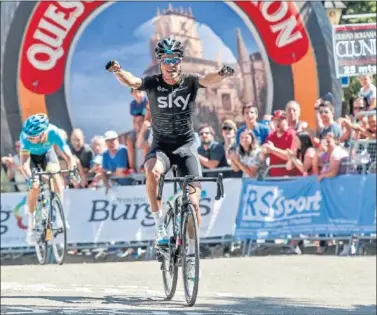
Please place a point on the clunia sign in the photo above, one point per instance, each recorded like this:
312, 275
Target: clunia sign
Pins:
355, 49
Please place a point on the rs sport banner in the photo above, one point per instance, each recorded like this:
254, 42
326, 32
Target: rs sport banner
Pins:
342, 205
355, 49
122, 215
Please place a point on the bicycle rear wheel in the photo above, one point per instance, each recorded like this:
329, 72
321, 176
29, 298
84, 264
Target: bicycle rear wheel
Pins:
59, 230
169, 268
190, 263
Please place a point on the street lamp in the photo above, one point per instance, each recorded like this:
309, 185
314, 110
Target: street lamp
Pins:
334, 11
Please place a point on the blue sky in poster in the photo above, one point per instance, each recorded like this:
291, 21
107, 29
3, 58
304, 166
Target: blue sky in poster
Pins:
97, 102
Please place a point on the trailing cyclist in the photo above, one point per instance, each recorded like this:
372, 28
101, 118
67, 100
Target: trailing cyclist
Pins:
37, 140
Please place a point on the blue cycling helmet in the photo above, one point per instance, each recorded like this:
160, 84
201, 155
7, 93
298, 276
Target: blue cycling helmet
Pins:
169, 46
35, 125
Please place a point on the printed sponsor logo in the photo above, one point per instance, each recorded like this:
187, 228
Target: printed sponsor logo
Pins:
169, 101
132, 209
162, 89
266, 203
5, 216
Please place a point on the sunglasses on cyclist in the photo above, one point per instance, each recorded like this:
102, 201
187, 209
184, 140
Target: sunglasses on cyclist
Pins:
173, 61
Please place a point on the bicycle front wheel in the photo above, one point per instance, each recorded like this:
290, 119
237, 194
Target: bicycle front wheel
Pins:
59, 230
168, 266
190, 260
41, 249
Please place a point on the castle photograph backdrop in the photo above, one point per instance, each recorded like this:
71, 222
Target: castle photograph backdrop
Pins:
281, 50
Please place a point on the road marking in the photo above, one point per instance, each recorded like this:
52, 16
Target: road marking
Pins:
225, 294
84, 311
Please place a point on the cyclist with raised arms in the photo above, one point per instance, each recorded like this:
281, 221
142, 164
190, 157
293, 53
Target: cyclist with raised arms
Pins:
37, 140
171, 97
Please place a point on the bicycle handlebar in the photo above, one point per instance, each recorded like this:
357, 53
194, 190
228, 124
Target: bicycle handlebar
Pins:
189, 179
35, 172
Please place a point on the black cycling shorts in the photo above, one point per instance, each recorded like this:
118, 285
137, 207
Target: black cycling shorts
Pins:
185, 157
45, 160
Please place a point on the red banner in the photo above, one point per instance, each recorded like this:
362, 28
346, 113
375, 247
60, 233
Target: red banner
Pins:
47, 42
280, 27
54, 24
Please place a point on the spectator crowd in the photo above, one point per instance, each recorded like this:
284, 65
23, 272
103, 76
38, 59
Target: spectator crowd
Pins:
279, 145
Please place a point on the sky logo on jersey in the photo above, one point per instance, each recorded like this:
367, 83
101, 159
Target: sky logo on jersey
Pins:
162, 89
169, 101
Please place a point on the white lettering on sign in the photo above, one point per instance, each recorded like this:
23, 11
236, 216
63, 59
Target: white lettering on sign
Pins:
354, 48
285, 25
44, 56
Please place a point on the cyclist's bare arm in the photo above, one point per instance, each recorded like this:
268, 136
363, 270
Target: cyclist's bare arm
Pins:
215, 77
25, 163
124, 77
127, 79
69, 157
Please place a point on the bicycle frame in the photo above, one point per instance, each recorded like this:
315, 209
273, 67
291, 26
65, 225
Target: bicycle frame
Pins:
51, 194
183, 208
174, 254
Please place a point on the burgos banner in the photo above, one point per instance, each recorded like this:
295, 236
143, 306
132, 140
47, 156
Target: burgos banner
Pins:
345, 204
121, 215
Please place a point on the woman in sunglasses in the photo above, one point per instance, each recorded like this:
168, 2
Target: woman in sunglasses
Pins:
171, 96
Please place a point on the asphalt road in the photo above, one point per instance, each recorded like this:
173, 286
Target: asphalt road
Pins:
298, 285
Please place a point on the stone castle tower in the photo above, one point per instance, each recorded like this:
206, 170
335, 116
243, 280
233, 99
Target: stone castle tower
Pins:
227, 98
246, 69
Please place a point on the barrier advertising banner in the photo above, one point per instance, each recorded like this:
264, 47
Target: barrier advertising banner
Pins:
341, 205
119, 216
355, 49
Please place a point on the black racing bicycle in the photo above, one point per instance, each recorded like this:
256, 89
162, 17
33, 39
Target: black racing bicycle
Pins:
51, 225
179, 219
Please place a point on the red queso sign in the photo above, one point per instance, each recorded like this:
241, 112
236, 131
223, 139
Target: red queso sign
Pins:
47, 40
53, 25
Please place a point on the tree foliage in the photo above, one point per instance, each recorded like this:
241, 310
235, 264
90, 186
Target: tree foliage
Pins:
359, 7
